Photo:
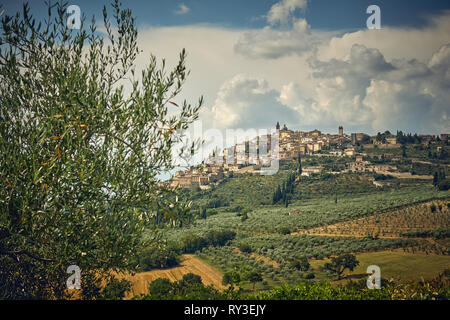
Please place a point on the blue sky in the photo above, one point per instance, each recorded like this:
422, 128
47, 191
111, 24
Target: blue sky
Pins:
320, 14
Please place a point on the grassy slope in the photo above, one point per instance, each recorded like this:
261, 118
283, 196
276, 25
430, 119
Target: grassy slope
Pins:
397, 265
246, 189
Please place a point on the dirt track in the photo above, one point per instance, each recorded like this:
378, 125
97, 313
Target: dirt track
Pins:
189, 263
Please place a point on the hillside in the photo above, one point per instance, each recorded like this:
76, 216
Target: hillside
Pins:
367, 220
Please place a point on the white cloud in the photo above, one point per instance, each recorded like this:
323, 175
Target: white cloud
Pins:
398, 106
248, 102
182, 9
366, 92
270, 43
213, 62
369, 80
294, 36
281, 12
393, 42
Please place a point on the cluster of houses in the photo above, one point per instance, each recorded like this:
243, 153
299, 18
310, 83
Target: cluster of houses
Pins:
359, 165
294, 143
288, 144
201, 176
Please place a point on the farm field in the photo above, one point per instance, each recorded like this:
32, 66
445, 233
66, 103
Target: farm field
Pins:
392, 224
310, 213
396, 264
271, 255
189, 264
406, 175
369, 223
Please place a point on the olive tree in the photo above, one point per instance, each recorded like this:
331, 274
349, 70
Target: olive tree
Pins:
83, 140
253, 277
340, 263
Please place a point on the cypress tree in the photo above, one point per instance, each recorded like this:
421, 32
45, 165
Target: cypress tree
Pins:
300, 170
279, 194
435, 179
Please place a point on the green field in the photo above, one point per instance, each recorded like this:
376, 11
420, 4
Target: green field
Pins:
312, 212
398, 265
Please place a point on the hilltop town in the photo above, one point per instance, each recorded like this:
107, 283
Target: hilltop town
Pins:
251, 155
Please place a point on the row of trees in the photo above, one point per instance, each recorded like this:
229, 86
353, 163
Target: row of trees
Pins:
402, 138
156, 257
190, 243
235, 278
441, 233
441, 155
408, 138
188, 288
283, 193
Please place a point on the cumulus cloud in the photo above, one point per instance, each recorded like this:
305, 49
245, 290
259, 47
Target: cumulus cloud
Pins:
393, 42
270, 43
366, 91
440, 62
248, 102
396, 105
182, 9
280, 12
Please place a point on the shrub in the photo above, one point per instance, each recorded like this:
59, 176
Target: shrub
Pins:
153, 258
192, 242
191, 279
246, 248
211, 212
160, 288
379, 177
301, 264
116, 289
231, 277
444, 185
220, 238
190, 287
295, 264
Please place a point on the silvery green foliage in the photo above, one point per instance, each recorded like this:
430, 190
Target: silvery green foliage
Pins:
82, 140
